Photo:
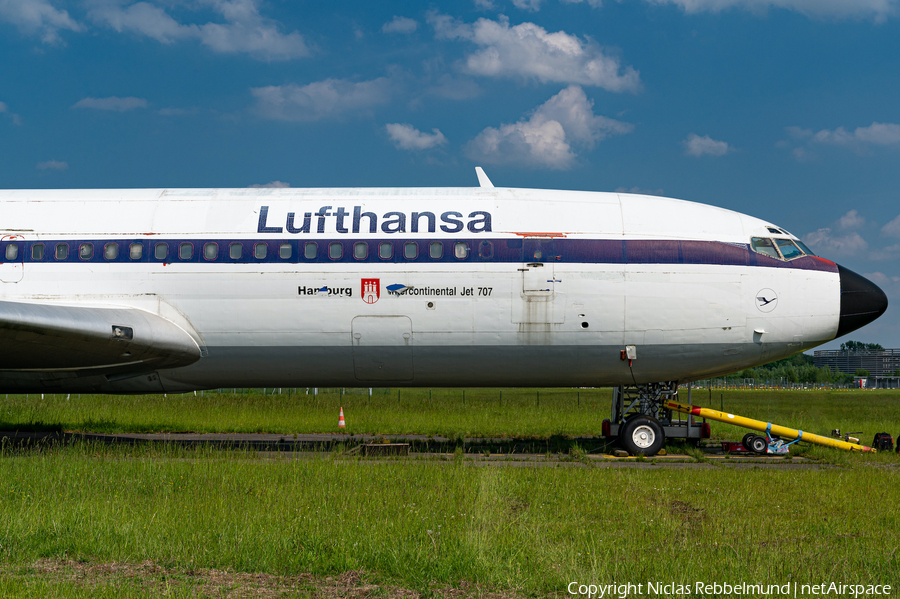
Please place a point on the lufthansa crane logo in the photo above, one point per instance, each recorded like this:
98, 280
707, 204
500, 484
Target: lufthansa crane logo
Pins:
371, 290
766, 300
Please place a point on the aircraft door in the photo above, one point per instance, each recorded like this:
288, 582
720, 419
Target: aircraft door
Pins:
12, 260
382, 348
540, 299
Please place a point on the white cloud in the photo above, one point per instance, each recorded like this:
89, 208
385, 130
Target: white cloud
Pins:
881, 279
880, 134
891, 252
892, 229
4, 109
545, 139
38, 17
695, 145
535, 5
400, 25
485, 4
859, 140
878, 10
112, 103
851, 220
801, 154
144, 18
270, 185
319, 100
53, 165
528, 51
824, 242
407, 137
532, 143
798, 133
244, 29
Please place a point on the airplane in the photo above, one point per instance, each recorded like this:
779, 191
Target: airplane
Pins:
173, 290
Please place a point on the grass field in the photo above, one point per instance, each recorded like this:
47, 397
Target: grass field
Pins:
148, 521
428, 525
537, 413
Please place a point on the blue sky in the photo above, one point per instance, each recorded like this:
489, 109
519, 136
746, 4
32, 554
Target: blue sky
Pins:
784, 109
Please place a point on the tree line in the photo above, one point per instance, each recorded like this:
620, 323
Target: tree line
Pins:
801, 368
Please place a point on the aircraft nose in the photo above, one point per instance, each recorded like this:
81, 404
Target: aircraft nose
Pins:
862, 301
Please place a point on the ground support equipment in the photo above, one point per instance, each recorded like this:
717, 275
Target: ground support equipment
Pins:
774, 433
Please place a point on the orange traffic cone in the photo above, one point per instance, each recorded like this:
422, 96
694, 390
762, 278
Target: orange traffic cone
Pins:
341, 423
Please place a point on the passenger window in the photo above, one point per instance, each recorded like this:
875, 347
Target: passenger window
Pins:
764, 246
136, 251
360, 250
111, 251
436, 250
310, 250
335, 250
461, 250
211, 251
86, 251
185, 251
62, 251
385, 250
805, 249
788, 249
12, 251
259, 251
285, 251
235, 250
486, 249
161, 251
410, 250
37, 251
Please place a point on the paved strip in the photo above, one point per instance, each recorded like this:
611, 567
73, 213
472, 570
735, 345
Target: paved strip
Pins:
478, 451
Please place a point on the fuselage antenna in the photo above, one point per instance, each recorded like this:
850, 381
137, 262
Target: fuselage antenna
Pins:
483, 180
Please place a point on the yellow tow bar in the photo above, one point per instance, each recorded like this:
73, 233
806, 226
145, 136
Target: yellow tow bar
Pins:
764, 427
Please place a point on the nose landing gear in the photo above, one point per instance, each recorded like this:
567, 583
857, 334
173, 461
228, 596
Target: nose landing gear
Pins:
641, 422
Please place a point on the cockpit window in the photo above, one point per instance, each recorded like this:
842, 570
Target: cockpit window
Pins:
774, 230
803, 247
764, 246
788, 249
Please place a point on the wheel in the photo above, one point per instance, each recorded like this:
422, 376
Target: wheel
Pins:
758, 444
642, 435
746, 441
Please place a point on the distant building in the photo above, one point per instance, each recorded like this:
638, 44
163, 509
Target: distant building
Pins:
879, 362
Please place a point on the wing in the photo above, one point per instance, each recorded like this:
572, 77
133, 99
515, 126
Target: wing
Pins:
36, 336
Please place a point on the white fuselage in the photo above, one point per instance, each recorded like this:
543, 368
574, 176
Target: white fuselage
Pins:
449, 287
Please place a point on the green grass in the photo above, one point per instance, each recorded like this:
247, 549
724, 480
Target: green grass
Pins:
425, 525
448, 412
537, 413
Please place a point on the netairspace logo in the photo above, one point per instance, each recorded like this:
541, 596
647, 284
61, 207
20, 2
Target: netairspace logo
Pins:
700, 589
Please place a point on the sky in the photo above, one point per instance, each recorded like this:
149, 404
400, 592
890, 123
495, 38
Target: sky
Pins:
783, 109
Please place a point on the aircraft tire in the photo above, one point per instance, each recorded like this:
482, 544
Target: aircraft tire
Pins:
758, 444
746, 441
642, 435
